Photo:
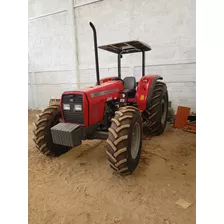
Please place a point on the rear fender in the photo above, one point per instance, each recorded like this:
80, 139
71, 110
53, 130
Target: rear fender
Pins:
144, 90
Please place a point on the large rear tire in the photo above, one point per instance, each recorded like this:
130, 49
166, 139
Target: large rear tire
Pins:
124, 142
155, 117
42, 133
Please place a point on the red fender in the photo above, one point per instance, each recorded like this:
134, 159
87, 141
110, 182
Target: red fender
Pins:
144, 90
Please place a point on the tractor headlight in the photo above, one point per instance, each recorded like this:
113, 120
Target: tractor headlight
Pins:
78, 107
66, 107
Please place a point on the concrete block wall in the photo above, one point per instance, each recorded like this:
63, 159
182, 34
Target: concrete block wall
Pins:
52, 68
38, 8
180, 80
168, 26
50, 43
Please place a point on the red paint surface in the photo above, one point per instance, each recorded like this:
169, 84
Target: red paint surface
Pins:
93, 107
143, 87
108, 79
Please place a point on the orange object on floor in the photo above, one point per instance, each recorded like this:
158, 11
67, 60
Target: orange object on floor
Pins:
181, 116
190, 127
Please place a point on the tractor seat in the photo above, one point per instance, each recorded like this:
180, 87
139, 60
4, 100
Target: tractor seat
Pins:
130, 86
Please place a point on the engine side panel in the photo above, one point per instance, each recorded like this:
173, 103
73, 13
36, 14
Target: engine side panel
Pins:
144, 90
99, 96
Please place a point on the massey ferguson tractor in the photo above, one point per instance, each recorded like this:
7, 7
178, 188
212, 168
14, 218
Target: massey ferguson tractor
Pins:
116, 110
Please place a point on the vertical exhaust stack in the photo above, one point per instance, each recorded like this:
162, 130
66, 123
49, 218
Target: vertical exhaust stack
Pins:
143, 63
96, 53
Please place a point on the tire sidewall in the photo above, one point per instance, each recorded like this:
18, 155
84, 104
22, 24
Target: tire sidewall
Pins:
132, 163
165, 97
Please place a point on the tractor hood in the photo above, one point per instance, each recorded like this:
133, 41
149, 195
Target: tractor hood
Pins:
107, 88
91, 102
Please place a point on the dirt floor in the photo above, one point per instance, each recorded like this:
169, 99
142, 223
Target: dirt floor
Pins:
80, 187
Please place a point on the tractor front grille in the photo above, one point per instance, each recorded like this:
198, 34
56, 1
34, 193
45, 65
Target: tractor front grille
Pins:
71, 115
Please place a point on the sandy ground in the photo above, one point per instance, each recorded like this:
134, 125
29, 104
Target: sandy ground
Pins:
79, 186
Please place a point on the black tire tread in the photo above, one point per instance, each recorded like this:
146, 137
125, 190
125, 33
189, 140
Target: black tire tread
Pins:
41, 127
118, 133
152, 114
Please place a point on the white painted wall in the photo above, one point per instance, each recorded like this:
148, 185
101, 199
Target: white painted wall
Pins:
168, 26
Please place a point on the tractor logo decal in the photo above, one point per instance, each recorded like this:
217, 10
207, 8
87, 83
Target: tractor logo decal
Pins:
103, 92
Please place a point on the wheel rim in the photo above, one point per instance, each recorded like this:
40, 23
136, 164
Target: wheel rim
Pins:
164, 110
135, 141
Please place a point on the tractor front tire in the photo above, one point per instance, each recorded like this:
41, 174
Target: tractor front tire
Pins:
124, 142
42, 131
155, 117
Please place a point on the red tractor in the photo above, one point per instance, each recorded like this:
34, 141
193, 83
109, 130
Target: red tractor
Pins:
117, 110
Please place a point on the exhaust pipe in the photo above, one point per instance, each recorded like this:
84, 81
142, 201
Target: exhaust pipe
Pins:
96, 53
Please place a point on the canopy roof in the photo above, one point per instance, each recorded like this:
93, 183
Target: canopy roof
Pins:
127, 47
